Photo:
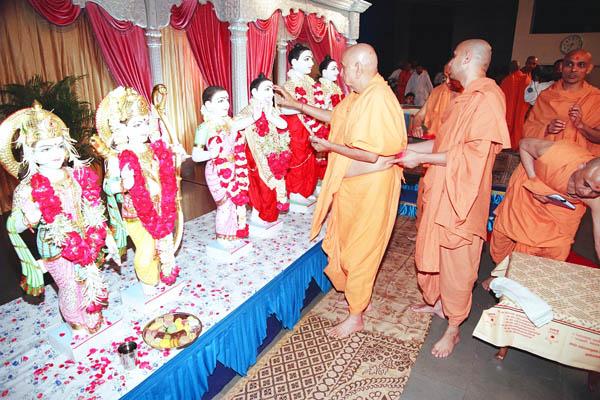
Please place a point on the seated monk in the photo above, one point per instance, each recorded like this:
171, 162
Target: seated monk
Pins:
527, 221
569, 108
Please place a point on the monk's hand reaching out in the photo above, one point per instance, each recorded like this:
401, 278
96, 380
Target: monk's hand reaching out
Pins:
407, 159
320, 145
556, 126
575, 116
283, 98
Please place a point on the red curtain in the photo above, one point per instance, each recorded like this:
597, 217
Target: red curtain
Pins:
293, 23
58, 12
262, 39
321, 37
209, 40
123, 46
182, 15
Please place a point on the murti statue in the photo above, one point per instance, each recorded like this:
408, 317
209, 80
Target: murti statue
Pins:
267, 152
63, 204
327, 95
220, 141
302, 176
141, 171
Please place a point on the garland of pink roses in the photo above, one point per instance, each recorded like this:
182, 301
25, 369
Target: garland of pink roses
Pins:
279, 163
158, 225
235, 182
78, 250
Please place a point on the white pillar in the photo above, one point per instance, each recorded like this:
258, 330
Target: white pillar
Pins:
281, 61
154, 42
239, 42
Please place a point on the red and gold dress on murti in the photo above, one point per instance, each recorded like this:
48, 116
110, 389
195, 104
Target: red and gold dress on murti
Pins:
302, 176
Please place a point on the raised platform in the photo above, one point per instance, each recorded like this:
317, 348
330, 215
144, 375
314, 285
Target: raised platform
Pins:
233, 301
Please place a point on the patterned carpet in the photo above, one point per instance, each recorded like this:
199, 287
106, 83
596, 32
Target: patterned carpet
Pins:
373, 364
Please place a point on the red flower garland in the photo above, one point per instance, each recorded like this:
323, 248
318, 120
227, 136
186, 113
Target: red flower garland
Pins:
279, 163
75, 249
157, 225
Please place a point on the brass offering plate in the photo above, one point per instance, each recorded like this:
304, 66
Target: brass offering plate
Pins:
172, 331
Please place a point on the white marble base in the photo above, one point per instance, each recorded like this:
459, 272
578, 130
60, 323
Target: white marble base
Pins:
148, 299
229, 251
76, 344
301, 204
262, 229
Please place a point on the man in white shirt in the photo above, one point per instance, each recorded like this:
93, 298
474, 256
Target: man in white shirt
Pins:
419, 84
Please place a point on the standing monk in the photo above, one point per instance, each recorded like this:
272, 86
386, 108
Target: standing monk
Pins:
569, 108
360, 191
456, 190
527, 221
431, 116
514, 86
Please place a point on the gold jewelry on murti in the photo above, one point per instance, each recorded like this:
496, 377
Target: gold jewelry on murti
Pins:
32, 124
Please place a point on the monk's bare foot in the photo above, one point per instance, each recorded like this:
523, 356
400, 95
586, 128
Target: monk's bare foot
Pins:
445, 346
486, 284
353, 323
426, 308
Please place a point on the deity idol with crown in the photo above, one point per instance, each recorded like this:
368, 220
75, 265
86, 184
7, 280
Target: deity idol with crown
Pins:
267, 152
59, 198
302, 177
141, 170
220, 141
327, 95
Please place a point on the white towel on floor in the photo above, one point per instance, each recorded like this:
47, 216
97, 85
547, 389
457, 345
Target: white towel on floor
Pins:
537, 310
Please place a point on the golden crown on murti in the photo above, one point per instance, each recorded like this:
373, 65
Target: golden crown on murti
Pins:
32, 124
119, 105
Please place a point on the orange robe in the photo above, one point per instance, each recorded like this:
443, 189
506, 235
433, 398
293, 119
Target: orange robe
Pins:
554, 103
524, 224
362, 209
456, 197
514, 86
435, 107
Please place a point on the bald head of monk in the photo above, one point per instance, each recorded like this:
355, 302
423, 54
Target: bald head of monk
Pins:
585, 182
575, 67
471, 61
359, 66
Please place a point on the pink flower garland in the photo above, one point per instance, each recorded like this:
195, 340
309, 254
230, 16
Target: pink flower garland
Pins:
75, 249
158, 225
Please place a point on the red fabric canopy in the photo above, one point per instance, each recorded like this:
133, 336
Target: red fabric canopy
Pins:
209, 40
262, 39
58, 12
124, 49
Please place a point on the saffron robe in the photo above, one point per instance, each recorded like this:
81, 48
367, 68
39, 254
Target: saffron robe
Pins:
362, 208
456, 197
526, 225
554, 103
514, 86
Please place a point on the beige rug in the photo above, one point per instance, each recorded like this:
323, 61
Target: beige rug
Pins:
373, 364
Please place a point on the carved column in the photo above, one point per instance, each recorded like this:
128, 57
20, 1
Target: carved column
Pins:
281, 61
239, 42
154, 42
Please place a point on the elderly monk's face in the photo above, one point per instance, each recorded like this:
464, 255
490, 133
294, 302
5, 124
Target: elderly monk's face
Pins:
350, 73
575, 67
585, 182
